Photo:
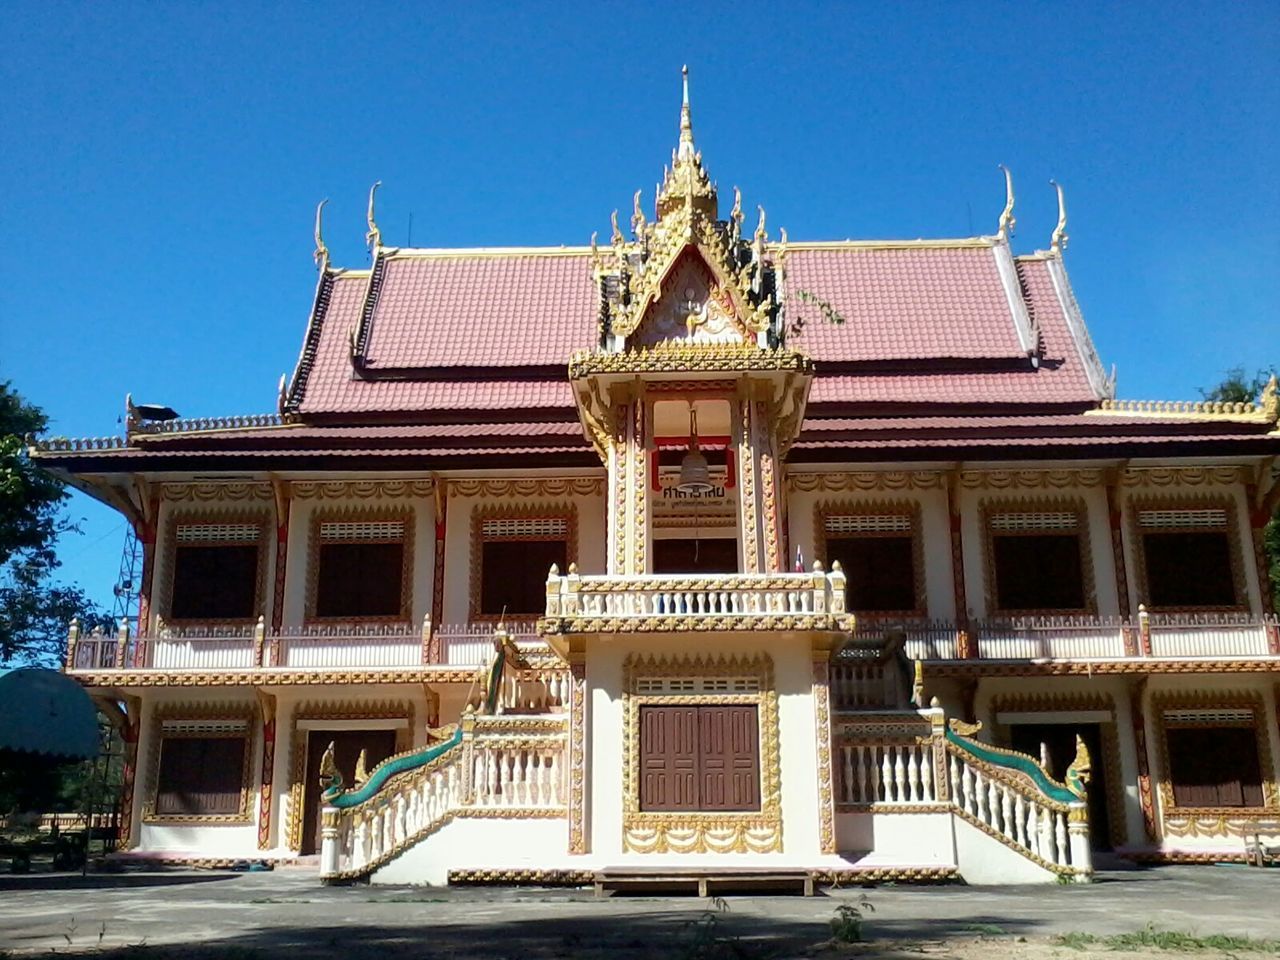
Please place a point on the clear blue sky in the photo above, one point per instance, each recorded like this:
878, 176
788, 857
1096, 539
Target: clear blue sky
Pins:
160, 164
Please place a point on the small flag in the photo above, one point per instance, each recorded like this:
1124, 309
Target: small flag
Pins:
799, 560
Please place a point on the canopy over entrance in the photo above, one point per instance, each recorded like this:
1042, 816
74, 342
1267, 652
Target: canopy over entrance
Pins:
44, 712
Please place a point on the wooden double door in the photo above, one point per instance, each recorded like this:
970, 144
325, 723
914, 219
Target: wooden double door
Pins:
702, 757
347, 744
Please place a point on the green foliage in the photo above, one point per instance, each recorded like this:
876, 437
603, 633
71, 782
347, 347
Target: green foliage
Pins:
1149, 937
846, 925
34, 611
826, 311
1238, 388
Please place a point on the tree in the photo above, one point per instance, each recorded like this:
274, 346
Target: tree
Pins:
34, 611
1237, 388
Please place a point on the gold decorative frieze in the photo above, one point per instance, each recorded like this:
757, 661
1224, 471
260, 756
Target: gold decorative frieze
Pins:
681, 358
202, 492
702, 832
866, 481
1182, 476
1031, 479
528, 487
361, 489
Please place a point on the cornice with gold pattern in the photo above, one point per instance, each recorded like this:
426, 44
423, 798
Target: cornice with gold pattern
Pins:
1092, 668
1031, 479
541, 878
859, 875
838, 623
215, 492
1220, 822
1182, 476
290, 678
866, 481
361, 489
693, 832
680, 358
528, 487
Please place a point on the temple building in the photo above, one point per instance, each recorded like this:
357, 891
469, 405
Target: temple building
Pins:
701, 552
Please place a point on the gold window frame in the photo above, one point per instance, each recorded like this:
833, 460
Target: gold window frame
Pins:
370, 514
993, 507
825, 509
567, 512
1235, 551
1213, 820
168, 569
202, 712
747, 831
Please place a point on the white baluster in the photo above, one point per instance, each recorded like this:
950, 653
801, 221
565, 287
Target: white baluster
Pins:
927, 792
913, 774
1060, 836
993, 804
1006, 812
885, 794
899, 775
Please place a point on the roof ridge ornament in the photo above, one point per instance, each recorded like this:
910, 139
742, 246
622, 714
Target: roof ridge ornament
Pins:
1058, 242
1007, 219
685, 183
686, 150
321, 254
374, 237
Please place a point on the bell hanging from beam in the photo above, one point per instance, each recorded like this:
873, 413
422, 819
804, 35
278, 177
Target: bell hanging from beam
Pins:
695, 474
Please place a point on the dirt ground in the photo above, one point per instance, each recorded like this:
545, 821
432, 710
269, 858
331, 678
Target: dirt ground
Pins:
184, 915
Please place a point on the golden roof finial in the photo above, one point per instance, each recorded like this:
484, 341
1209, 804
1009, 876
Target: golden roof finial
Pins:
686, 150
1269, 402
374, 236
1007, 221
638, 222
617, 237
760, 231
321, 254
1058, 242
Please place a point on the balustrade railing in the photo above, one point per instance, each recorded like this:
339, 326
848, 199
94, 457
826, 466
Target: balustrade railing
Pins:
656, 597
490, 767
1055, 638
1007, 796
865, 684
900, 774
1212, 635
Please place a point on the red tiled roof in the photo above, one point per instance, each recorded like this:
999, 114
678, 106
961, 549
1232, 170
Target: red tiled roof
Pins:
482, 310
901, 303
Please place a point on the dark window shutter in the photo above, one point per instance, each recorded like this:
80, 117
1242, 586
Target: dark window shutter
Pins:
1214, 766
1039, 571
360, 580
200, 776
1189, 569
513, 574
214, 582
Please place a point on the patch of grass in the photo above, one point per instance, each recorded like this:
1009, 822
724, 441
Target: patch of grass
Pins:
1172, 940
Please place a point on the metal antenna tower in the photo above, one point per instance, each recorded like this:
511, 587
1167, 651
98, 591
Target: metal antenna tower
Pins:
129, 581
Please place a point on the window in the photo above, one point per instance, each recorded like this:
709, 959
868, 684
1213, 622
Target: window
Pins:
1037, 561
514, 554
699, 758
1214, 766
362, 570
1188, 558
878, 553
201, 775
216, 571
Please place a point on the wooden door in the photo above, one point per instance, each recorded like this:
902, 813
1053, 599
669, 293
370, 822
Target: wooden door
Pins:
347, 745
704, 757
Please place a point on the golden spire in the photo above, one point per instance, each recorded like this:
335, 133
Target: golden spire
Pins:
1007, 221
1058, 242
638, 222
686, 150
374, 236
321, 254
686, 183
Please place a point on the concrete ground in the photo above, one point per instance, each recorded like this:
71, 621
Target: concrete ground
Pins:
198, 915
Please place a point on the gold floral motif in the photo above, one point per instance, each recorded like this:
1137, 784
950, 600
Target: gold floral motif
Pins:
617, 520
1181, 476
747, 481
640, 491
680, 358
542, 878
822, 722
528, 487
197, 712
551, 626
235, 492
690, 832
1224, 824
866, 481
362, 489
1030, 479
577, 760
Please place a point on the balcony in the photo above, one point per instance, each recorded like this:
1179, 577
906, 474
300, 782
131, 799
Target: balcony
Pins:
315, 649
1147, 637
670, 602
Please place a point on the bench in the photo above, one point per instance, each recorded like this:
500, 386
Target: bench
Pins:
703, 880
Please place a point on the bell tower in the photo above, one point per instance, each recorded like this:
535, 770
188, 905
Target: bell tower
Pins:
690, 397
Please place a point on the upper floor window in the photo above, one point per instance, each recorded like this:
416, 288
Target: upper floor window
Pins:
1037, 559
1188, 556
511, 555
880, 551
217, 570
361, 567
